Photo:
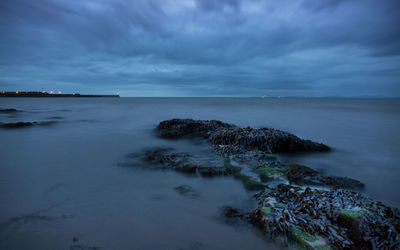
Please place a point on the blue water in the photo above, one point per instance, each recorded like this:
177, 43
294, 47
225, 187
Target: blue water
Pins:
64, 181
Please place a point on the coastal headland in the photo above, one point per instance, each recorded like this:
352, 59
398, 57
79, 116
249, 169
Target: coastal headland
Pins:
46, 94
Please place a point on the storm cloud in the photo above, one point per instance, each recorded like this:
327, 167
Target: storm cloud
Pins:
202, 47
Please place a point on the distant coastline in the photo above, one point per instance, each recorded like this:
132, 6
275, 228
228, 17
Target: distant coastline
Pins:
46, 94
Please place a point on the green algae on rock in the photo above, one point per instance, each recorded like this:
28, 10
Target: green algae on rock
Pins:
308, 241
269, 174
249, 183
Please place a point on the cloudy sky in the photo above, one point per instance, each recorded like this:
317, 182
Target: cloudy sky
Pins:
202, 47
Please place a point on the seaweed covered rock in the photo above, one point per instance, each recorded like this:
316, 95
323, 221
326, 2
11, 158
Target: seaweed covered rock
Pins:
302, 175
231, 139
176, 128
264, 139
162, 158
250, 183
341, 218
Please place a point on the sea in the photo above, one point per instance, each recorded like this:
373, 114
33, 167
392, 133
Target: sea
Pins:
66, 184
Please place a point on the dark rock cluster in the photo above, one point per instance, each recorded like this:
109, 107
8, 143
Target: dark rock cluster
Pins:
302, 175
162, 158
177, 128
339, 218
231, 139
17, 125
14, 125
295, 203
8, 111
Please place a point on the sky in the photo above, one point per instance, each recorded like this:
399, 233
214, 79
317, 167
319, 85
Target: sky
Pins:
175, 48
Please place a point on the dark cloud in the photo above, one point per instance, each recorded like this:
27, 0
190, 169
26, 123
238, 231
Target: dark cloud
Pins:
211, 5
201, 47
317, 5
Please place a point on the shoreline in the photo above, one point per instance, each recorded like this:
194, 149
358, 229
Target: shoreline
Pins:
47, 95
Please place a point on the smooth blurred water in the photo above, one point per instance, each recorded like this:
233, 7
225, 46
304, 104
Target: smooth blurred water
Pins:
63, 181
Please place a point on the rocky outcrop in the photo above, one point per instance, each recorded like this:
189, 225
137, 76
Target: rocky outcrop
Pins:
17, 125
338, 218
302, 175
162, 158
231, 139
8, 111
296, 203
14, 125
177, 128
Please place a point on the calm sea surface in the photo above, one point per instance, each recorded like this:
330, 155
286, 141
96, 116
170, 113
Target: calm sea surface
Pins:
62, 185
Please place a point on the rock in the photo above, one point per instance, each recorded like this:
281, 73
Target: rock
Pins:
249, 183
267, 211
302, 175
162, 158
232, 212
351, 219
267, 174
270, 157
230, 139
8, 111
211, 171
187, 190
332, 217
229, 168
176, 128
342, 182
335, 218
264, 139
17, 125
307, 241
14, 125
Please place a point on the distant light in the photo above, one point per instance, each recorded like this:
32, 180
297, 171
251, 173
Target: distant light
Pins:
59, 92
51, 92
73, 93
16, 92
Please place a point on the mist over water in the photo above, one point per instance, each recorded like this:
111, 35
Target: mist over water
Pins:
68, 179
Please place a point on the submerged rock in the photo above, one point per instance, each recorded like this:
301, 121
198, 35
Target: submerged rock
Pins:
8, 111
231, 139
162, 158
249, 183
187, 190
17, 125
13, 125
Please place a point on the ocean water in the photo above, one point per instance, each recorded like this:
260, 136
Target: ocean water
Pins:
62, 185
